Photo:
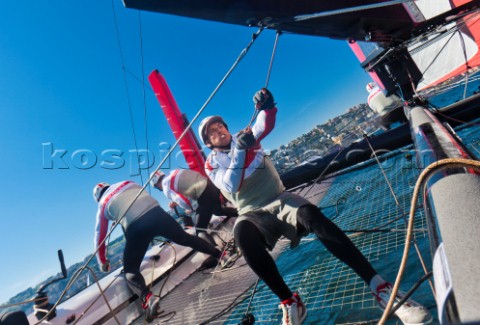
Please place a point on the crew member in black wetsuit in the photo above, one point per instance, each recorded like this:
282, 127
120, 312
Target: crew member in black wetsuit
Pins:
239, 167
141, 221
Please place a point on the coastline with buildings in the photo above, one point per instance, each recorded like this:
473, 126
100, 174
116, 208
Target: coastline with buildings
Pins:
327, 138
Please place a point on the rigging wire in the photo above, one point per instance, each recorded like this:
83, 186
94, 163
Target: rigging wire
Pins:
144, 96
426, 173
331, 161
272, 57
436, 111
144, 84
459, 24
443, 32
467, 67
410, 292
122, 58
251, 297
452, 32
21, 302
257, 111
172, 313
415, 244
442, 89
102, 294
438, 54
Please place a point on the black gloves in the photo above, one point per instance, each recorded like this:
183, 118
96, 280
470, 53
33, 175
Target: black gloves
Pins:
105, 267
263, 99
245, 140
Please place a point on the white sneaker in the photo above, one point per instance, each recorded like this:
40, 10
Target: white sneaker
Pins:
410, 312
152, 308
294, 311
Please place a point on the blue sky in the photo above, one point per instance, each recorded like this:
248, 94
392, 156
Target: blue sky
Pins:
62, 88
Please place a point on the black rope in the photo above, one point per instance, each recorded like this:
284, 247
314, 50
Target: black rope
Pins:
233, 304
410, 292
452, 31
251, 298
344, 199
456, 120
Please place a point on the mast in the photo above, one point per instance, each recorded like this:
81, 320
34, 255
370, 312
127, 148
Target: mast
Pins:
452, 203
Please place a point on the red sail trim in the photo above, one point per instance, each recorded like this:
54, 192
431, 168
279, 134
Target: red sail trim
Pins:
469, 27
189, 143
445, 68
362, 57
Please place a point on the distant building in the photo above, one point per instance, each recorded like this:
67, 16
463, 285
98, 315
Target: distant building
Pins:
323, 139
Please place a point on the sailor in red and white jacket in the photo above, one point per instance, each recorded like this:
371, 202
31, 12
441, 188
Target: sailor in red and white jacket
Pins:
114, 202
142, 219
182, 186
192, 191
238, 165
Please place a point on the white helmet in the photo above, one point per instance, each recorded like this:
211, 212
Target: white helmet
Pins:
370, 86
202, 129
156, 176
98, 190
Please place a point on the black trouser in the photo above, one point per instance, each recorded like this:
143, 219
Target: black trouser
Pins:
156, 222
209, 203
252, 244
